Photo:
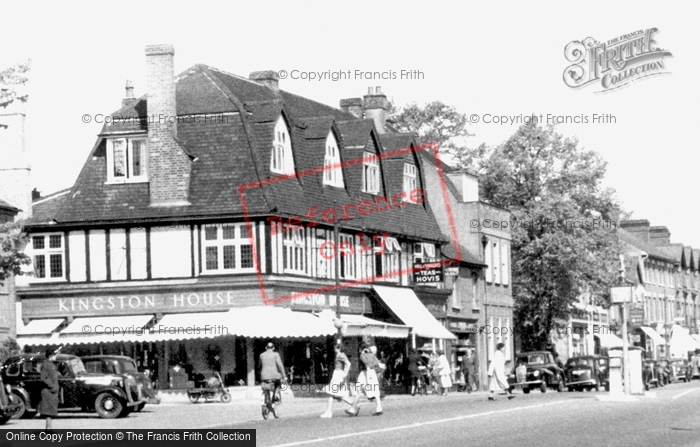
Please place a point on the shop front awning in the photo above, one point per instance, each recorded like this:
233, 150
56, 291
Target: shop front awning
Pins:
609, 340
656, 338
409, 309
359, 325
187, 326
121, 328
41, 327
276, 322
682, 342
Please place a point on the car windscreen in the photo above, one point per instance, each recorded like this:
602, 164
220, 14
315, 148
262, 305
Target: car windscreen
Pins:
77, 366
579, 362
129, 366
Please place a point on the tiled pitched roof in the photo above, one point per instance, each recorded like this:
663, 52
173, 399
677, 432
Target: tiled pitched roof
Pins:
44, 209
7, 206
227, 153
660, 253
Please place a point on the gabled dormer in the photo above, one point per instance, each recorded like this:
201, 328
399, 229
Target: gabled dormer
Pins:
372, 178
127, 159
333, 170
282, 157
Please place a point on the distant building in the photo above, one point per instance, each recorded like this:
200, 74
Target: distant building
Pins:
480, 306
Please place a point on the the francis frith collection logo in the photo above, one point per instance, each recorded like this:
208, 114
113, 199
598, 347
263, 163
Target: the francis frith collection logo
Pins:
614, 63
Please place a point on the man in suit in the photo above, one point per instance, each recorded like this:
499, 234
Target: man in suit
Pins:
272, 372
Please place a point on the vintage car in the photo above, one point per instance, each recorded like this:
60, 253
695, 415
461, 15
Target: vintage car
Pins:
680, 370
9, 403
110, 395
121, 364
541, 372
587, 372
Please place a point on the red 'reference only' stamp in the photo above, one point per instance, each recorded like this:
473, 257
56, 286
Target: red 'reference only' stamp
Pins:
329, 216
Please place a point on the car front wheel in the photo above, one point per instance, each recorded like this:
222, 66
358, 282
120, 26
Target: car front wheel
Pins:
543, 387
22, 412
108, 406
560, 386
526, 390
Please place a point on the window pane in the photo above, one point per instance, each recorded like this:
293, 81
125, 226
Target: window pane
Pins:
229, 256
55, 241
136, 158
56, 265
212, 258
229, 232
244, 232
119, 157
246, 256
40, 266
210, 233
38, 242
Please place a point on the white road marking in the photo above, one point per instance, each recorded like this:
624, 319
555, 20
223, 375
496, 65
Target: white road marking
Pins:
228, 424
418, 424
684, 393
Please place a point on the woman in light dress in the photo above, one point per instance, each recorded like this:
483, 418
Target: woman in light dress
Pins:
338, 388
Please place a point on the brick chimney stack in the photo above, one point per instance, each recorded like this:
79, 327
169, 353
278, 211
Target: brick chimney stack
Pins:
268, 78
376, 106
168, 164
659, 236
129, 99
639, 228
352, 105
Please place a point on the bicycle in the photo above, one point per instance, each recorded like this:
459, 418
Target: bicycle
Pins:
273, 397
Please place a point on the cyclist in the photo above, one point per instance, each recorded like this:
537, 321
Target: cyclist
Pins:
271, 375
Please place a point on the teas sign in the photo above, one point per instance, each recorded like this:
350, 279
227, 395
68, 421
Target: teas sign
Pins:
430, 272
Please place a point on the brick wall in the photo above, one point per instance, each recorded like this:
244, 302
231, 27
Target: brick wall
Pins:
168, 164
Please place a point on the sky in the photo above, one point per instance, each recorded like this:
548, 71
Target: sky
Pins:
485, 58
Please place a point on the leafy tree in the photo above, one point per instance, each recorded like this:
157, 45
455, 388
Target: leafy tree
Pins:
435, 122
12, 259
565, 242
11, 82
8, 347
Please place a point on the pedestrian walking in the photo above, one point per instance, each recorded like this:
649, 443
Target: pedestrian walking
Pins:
497, 377
367, 383
48, 405
434, 373
470, 367
695, 365
338, 388
445, 372
414, 363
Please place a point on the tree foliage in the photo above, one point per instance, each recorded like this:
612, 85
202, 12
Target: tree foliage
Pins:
12, 81
565, 242
12, 259
435, 122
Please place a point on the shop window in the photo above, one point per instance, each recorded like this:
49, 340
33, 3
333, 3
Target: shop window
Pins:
281, 159
48, 257
370, 173
332, 176
386, 258
294, 251
126, 160
227, 248
410, 180
346, 253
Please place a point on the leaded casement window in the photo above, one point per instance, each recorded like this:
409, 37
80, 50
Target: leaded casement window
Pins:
227, 248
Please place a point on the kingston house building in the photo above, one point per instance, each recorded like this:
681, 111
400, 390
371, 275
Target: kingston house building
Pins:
220, 212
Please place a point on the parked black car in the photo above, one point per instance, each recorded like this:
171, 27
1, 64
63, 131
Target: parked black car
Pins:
587, 372
680, 370
110, 395
121, 364
541, 372
9, 403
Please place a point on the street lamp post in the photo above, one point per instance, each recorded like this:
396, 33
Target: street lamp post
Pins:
338, 323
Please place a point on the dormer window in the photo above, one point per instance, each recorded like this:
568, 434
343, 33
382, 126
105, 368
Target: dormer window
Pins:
370, 173
127, 160
410, 180
332, 171
281, 161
